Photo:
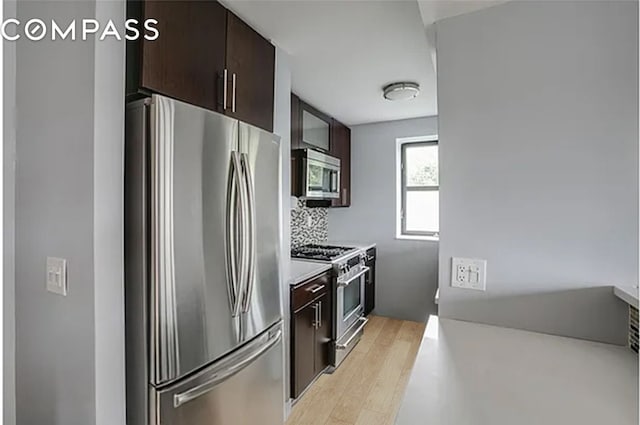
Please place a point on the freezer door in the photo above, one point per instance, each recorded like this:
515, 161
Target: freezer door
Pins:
244, 388
260, 160
195, 197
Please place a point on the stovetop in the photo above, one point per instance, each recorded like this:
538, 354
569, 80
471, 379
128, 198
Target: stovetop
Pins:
325, 253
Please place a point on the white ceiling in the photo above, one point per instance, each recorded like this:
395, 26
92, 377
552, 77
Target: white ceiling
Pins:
343, 52
434, 10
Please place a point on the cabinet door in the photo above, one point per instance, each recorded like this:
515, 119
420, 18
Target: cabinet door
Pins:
187, 60
315, 128
323, 333
250, 63
370, 283
341, 148
303, 348
296, 122
296, 137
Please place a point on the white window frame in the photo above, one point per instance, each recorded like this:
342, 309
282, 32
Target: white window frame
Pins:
401, 189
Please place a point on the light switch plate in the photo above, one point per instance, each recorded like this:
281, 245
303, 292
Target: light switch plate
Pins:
56, 277
469, 273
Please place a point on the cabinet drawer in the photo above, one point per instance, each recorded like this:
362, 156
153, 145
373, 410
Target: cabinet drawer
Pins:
310, 290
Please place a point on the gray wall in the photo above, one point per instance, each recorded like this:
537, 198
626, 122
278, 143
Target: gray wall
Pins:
538, 120
8, 226
70, 106
407, 270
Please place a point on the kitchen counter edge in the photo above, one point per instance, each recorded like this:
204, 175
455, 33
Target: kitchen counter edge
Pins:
303, 270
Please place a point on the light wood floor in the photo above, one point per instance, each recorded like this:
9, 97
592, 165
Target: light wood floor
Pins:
368, 387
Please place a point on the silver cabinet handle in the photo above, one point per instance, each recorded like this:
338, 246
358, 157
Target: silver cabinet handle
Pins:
351, 279
316, 289
224, 89
233, 92
251, 236
315, 316
226, 369
357, 331
319, 314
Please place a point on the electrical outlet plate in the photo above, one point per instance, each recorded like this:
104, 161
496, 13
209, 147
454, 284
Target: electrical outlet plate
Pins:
469, 273
57, 275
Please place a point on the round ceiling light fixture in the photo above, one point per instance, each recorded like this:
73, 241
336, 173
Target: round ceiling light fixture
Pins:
401, 91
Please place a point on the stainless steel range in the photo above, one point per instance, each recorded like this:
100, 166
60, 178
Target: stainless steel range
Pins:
348, 292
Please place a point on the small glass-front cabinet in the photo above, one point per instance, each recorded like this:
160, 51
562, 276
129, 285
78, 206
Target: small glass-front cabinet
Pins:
315, 131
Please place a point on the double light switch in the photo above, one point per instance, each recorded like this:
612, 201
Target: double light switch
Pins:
57, 275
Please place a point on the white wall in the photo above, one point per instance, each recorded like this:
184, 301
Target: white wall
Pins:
407, 271
538, 123
69, 132
108, 220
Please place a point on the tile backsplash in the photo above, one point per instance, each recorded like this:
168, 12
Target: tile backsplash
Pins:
308, 225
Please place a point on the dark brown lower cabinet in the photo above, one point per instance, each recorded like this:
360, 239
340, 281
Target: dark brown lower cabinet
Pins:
311, 326
304, 348
322, 334
370, 282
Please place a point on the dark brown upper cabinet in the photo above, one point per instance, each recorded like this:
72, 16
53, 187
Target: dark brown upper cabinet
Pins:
187, 59
310, 128
341, 148
250, 63
296, 122
204, 55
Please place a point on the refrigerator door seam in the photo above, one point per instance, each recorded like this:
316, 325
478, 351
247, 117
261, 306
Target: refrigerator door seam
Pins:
244, 227
234, 192
252, 232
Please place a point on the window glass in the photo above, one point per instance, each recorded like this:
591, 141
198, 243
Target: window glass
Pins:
422, 165
422, 214
419, 213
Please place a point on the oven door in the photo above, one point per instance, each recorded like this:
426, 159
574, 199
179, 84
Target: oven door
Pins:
349, 301
322, 176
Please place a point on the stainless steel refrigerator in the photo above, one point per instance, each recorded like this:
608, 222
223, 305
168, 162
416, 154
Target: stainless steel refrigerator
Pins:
203, 312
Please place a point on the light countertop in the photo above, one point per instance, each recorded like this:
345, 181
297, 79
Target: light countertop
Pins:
627, 293
473, 374
300, 270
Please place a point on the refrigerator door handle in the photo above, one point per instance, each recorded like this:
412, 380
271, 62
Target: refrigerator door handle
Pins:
237, 363
248, 175
235, 267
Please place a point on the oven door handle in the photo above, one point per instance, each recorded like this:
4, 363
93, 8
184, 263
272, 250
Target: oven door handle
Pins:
351, 279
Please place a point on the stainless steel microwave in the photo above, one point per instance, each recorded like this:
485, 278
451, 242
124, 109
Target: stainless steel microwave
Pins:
319, 174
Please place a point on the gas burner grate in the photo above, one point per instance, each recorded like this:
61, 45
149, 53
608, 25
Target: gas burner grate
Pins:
319, 252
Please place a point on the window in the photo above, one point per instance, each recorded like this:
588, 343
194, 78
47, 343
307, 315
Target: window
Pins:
419, 189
